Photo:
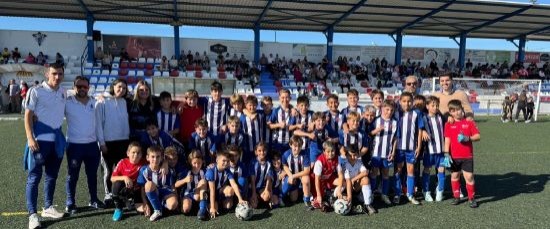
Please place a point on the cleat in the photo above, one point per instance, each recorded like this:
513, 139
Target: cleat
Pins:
473, 203
438, 196
117, 215
155, 216
412, 200
396, 199
130, 205
97, 205
202, 215
455, 201
358, 209
51, 212
428, 197
71, 209
34, 221
370, 210
386, 199
309, 207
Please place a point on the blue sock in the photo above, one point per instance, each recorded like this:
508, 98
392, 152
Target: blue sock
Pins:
203, 204
154, 199
307, 199
286, 187
426, 182
441, 181
373, 183
410, 185
385, 186
397, 184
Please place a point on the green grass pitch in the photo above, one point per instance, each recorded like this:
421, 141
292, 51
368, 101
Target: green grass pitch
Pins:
511, 167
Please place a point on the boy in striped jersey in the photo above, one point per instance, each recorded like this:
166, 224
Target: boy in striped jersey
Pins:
203, 141
433, 154
167, 120
216, 109
409, 143
280, 121
353, 104
232, 137
261, 178
334, 118
297, 167
221, 184
238, 168
303, 120
353, 137
252, 127
383, 131
237, 105
157, 188
193, 186
155, 137
278, 177
317, 136
267, 107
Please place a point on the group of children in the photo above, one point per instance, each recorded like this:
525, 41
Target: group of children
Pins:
270, 157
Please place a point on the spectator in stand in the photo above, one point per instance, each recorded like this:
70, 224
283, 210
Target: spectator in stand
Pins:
124, 56
452, 65
98, 55
198, 59
2, 93
41, 59
189, 57
30, 59
59, 59
469, 65
6, 55
344, 82
445, 66
163, 64
107, 61
263, 60
522, 73
384, 63
16, 55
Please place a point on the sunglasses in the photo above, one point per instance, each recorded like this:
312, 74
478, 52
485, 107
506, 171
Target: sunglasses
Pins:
411, 84
81, 87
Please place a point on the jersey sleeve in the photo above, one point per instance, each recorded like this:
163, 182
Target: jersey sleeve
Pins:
363, 169
318, 168
341, 138
347, 176
141, 180
306, 162
473, 128
177, 123
210, 174
284, 158
366, 140
118, 169
32, 98
229, 174
420, 120
447, 130
273, 117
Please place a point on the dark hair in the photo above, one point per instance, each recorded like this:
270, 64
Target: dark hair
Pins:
201, 122
151, 122
407, 94
81, 78
303, 99
216, 86
455, 104
112, 86
275, 154
252, 99
420, 97
57, 65
432, 99
445, 74
134, 144
165, 95
155, 149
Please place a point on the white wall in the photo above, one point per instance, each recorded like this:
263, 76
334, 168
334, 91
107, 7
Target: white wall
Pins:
68, 44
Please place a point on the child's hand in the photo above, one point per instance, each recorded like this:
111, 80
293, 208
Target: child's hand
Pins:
294, 112
103, 149
266, 194
146, 210
282, 176
33, 145
463, 138
290, 179
417, 153
339, 193
425, 136
311, 136
390, 157
318, 199
128, 182
213, 212
187, 179
450, 120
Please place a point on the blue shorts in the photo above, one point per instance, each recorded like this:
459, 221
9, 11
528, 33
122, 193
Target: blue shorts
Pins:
381, 163
164, 192
189, 194
314, 152
276, 190
433, 160
405, 156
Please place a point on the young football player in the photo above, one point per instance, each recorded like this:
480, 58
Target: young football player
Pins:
261, 177
194, 187
167, 120
297, 168
433, 154
280, 121
326, 177
203, 141
357, 181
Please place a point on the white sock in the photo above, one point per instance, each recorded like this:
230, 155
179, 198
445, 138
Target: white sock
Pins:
367, 192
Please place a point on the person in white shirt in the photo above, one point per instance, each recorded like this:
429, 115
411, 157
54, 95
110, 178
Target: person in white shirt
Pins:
45, 107
82, 143
113, 131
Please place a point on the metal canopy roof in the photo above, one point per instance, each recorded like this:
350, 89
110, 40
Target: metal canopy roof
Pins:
447, 18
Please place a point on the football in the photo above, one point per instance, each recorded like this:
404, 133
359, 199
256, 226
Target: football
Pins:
341, 207
243, 212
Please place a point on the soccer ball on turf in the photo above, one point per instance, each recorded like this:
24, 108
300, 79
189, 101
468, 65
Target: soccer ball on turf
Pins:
243, 212
341, 207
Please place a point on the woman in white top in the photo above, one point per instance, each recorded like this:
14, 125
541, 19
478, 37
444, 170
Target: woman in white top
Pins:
113, 131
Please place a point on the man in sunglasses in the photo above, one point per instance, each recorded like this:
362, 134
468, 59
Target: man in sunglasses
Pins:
82, 147
411, 84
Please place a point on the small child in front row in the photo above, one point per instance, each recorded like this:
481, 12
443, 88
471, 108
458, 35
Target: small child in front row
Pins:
357, 181
326, 177
124, 179
238, 169
193, 186
384, 129
458, 141
202, 140
278, 177
261, 179
156, 188
433, 154
221, 184
409, 143
297, 168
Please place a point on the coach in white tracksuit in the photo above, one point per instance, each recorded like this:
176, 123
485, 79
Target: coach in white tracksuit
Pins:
113, 131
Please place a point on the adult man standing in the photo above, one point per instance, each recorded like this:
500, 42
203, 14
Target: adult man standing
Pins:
45, 141
82, 147
14, 91
448, 93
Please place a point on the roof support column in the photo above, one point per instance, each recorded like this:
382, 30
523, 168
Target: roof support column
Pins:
398, 46
330, 36
90, 38
462, 51
256, 44
177, 50
521, 49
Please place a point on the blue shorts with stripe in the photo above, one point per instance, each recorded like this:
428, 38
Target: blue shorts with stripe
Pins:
382, 163
405, 156
435, 160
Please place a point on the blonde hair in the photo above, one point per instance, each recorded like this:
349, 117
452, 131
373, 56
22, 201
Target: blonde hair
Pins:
236, 99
